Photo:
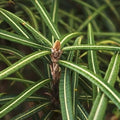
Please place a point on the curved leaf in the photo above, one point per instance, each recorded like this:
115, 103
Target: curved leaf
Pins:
39, 37
19, 39
21, 97
101, 8
14, 24
98, 109
4, 99
95, 79
31, 111
67, 37
30, 14
82, 112
19, 55
22, 62
47, 19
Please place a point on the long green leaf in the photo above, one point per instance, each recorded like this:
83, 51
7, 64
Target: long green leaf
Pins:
65, 96
19, 39
31, 111
14, 24
21, 97
30, 14
54, 14
5, 98
22, 62
92, 47
39, 37
47, 19
108, 21
95, 79
98, 109
18, 74
19, 54
19, 80
101, 8
67, 37
92, 58
82, 112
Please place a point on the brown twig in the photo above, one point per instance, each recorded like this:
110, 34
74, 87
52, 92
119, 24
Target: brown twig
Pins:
55, 56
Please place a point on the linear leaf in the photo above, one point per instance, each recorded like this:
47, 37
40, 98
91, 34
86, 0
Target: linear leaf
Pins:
39, 37
65, 96
101, 8
108, 21
19, 39
22, 62
19, 80
31, 111
30, 14
95, 79
82, 112
92, 47
21, 97
18, 74
98, 109
92, 58
54, 15
67, 37
47, 19
14, 24
19, 54
4, 99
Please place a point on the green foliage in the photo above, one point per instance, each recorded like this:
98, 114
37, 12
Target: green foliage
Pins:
89, 81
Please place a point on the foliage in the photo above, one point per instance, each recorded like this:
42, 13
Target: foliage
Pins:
89, 82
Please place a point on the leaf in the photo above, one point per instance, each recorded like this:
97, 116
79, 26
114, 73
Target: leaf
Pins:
19, 79
39, 37
98, 109
22, 62
92, 59
4, 99
30, 14
19, 54
65, 96
92, 47
21, 97
101, 8
95, 79
47, 19
67, 37
31, 111
82, 112
54, 15
108, 21
14, 24
19, 39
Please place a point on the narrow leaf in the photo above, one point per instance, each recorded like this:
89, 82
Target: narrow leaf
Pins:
92, 59
31, 111
65, 96
92, 47
47, 19
39, 37
21, 97
98, 109
22, 62
19, 39
14, 24
67, 37
95, 79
